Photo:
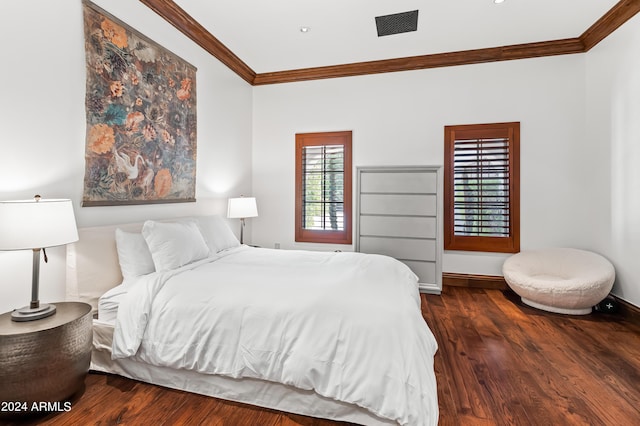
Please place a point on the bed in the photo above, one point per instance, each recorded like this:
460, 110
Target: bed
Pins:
183, 304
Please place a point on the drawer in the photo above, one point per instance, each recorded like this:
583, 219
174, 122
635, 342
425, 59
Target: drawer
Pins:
399, 204
400, 248
426, 271
397, 226
417, 182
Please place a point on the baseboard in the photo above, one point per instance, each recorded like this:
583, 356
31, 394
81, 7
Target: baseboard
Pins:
474, 281
628, 311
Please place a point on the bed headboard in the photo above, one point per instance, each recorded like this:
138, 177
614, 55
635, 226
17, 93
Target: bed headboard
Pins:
92, 262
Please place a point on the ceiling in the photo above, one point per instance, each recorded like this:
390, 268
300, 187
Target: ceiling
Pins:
264, 37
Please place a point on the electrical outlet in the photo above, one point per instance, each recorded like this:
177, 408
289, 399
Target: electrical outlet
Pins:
277, 245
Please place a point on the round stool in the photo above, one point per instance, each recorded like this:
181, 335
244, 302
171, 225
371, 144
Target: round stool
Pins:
561, 280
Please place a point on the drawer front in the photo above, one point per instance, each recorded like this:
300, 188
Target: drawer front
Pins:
426, 271
417, 182
396, 226
399, 204
400, 248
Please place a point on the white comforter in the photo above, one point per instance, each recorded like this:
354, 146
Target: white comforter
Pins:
346, 325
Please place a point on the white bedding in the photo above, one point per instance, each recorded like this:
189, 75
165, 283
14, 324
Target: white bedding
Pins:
346, 325
109, 302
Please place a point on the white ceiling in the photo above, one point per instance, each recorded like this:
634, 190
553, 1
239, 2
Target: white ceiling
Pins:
266, 34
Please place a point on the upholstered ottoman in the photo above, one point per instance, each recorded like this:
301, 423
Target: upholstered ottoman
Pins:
561, 280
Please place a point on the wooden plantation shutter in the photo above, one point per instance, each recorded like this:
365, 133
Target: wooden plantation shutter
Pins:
481, 187
323, 187
482, 208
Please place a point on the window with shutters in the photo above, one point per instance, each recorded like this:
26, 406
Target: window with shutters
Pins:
482, 187
323, 187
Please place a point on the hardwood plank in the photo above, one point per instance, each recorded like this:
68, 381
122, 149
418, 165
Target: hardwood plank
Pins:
536, 373
614, 371
529, 371
499, 363
287, 419
468, 398
568, 366
487, 367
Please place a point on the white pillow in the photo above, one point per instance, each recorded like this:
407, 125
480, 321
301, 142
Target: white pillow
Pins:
217, 233
133, 254
174, 244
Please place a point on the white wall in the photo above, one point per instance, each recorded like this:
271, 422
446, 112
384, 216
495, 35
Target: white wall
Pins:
580, 136
399, 119
42, 123
613, 125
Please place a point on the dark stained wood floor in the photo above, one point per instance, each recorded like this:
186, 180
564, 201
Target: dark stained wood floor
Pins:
499, 363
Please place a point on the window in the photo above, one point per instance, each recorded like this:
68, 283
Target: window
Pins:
482, 187
323, 187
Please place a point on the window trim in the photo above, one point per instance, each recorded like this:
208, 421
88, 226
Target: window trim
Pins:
510, 244
323, 236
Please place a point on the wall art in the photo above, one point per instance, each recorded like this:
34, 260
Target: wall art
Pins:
141, 117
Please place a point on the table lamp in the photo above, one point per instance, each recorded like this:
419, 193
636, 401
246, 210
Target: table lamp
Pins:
242, 208
34, 225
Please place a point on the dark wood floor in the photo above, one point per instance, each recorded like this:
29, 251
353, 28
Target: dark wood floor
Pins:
499, 363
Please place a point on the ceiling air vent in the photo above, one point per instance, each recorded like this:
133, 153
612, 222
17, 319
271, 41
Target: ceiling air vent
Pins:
397, 23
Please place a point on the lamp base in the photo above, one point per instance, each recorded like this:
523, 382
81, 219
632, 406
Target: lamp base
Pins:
32, 314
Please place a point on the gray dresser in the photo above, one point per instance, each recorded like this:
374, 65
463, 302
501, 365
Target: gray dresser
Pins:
399, 214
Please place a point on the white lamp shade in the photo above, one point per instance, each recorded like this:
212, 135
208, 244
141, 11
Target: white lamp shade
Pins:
31, 224
242, 207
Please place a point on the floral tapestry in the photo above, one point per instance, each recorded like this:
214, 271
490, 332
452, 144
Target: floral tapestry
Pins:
141, 117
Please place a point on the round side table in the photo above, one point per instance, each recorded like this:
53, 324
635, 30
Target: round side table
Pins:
45, 360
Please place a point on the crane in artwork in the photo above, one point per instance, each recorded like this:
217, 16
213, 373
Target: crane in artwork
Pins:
123, 162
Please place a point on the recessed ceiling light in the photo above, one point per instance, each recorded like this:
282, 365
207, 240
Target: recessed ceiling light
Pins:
498, 1
304, 29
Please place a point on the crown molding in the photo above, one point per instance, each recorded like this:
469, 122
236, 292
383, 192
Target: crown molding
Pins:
449, 59
185, 23
608, 23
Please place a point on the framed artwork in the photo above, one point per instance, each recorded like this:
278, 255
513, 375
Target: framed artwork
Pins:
141, 117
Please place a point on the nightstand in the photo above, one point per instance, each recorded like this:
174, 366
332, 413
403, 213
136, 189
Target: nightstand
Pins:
44, 361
